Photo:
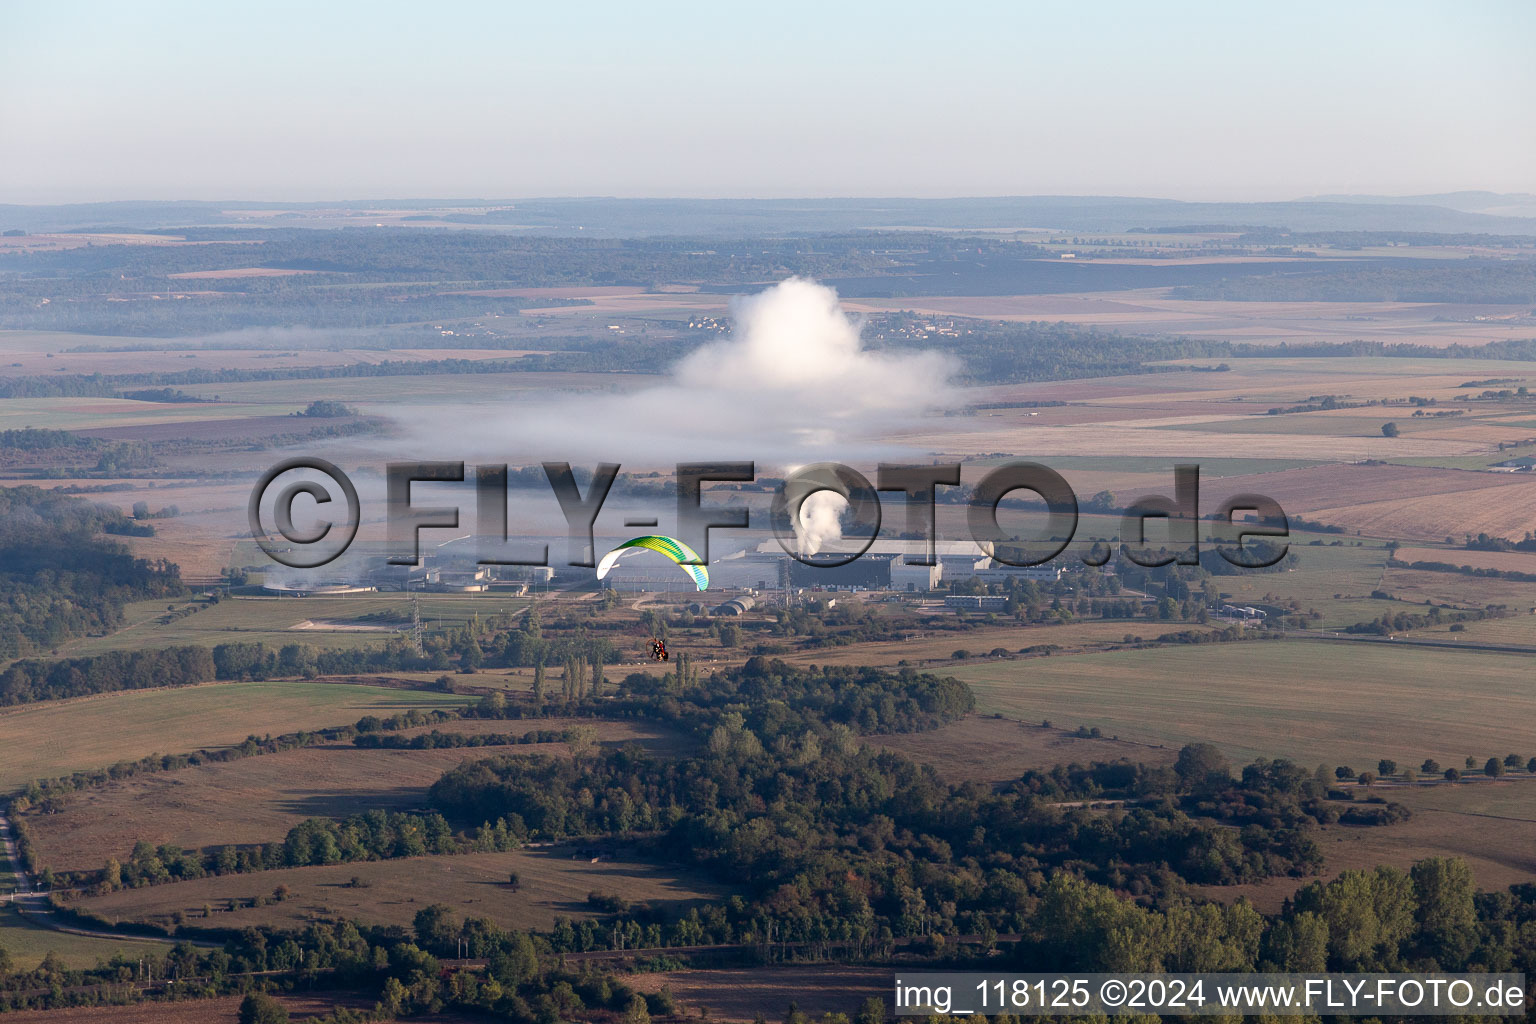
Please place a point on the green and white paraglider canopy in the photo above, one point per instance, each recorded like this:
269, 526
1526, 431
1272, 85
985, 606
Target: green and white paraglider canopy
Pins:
673, 548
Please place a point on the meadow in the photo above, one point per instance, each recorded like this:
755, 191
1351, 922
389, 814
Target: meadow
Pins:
1474, 591
1490, 825
982, 748
554, 882
258, 799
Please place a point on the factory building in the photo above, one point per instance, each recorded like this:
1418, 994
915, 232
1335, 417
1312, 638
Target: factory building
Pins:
976, 602
735, 606
888, 565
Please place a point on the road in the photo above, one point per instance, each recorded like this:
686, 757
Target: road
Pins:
25, 896
1406, 640
33, 904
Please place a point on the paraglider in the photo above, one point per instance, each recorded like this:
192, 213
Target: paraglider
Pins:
659, 650
670, 546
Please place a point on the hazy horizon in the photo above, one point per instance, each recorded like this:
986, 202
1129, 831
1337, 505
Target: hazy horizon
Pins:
172, 101
488, 199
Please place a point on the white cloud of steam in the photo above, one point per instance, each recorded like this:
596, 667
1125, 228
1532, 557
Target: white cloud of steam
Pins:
792, 382
820, 521
795, 340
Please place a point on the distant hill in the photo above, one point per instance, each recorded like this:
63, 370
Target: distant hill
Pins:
606, 217
1494, 204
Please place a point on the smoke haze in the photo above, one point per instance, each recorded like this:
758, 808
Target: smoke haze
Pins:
792, 383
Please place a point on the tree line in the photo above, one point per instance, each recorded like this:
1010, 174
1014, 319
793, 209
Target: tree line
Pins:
59, 579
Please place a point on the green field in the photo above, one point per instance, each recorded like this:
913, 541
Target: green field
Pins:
28, 943
413, 389
97, 413
1309, 701
1335, 581
273, 621
58, 737
1517, 629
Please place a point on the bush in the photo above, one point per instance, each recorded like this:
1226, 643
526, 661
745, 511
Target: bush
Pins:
607, 902
260, 1008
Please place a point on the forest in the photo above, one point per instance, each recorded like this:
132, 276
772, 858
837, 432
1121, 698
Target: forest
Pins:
1462, 281
834, 847
382, 281
58, 578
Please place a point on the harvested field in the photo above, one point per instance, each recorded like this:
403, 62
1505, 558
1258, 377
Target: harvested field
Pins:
555, 882
1121, 439
985, 749
58, 737
1318, 487
1507, 511
1305, 700
1477, 591
1492, 826
1517, 629
1503, 561
747, 993
258, 799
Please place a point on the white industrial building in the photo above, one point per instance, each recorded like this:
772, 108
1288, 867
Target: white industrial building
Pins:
759, 567
886, 565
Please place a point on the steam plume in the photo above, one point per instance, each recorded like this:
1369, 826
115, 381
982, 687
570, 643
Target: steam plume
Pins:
820, 521
792, 381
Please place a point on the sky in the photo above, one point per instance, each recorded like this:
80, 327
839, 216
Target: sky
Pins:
1200, 101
